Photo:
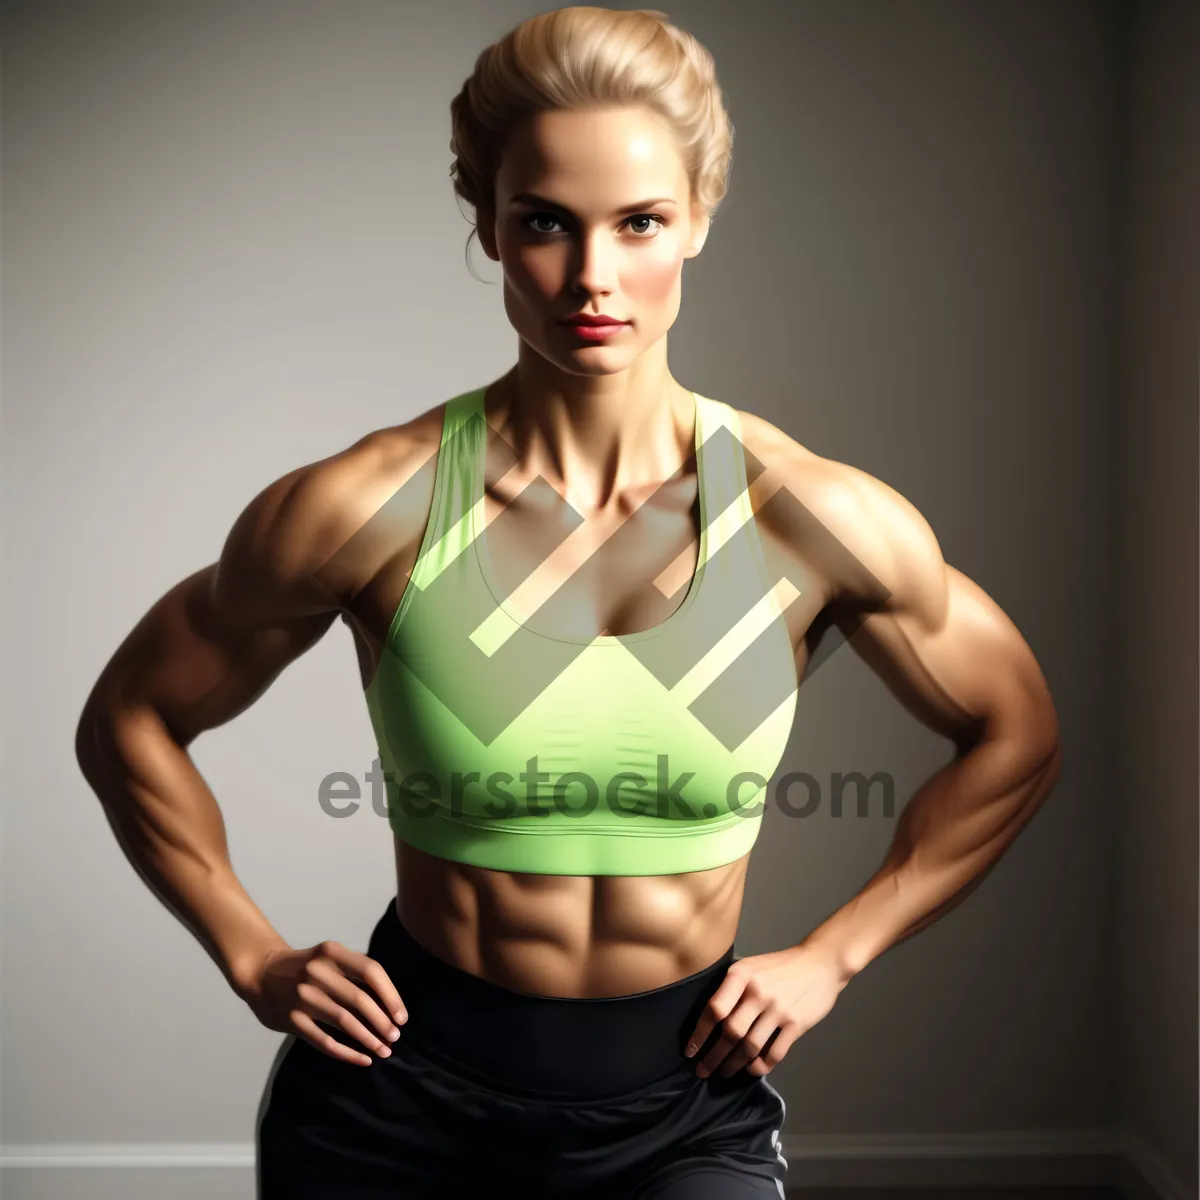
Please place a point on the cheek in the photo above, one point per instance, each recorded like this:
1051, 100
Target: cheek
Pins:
537, 278
656, 279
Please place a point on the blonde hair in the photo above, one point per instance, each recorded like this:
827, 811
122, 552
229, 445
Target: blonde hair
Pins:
584, 57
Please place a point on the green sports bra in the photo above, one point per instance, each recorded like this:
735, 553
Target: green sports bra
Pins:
645, 753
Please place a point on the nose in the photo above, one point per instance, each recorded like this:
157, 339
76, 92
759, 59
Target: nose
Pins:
595, 263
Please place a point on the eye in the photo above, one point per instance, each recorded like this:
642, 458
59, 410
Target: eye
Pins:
645, 236
526, 222
649, 217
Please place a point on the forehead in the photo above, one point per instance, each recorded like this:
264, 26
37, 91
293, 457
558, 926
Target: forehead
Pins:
592, 156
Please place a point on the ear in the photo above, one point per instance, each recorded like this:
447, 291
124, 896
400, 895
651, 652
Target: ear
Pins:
699, 233
485, 227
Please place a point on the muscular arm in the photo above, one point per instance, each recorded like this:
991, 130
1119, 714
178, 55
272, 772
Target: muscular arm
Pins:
953, 658
202, 654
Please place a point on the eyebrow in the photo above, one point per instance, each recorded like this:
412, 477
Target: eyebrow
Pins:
536, 201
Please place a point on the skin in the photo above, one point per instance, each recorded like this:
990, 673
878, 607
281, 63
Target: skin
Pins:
604, 424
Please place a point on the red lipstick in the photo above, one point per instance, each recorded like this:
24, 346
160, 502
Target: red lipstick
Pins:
593, 327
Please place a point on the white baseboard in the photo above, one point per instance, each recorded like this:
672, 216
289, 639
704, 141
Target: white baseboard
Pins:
1116, 1158
151, 1154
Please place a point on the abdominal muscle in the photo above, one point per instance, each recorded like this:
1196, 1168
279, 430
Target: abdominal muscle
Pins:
568, 935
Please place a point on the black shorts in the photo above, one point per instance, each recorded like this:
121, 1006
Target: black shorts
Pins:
489, 1091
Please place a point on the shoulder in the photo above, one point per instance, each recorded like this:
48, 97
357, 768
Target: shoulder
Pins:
872, 545
318, 533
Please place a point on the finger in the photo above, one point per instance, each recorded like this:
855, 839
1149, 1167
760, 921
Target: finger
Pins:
312, 1033
733, 1028
773, 1054
762, 1064
377, 977
362, 966
751, 1045
719, 1006
326, 973
324, 1008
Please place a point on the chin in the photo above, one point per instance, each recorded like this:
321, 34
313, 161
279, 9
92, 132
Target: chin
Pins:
585, 359
594, 364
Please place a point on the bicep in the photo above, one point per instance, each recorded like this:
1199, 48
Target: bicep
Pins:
937, 640
209, 647
954, 659
194, 663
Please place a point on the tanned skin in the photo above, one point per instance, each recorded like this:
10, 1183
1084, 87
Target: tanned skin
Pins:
217, 640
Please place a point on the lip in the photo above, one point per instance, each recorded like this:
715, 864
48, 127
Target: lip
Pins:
591, 321
595, 333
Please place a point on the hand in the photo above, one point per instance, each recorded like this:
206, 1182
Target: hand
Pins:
288, 988
764, 1003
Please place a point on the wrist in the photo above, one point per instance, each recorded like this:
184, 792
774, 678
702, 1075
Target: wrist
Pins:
839, 947
245, 970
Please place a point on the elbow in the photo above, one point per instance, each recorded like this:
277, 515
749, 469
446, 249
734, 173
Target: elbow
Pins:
1046, 737
94, 737
1053, 764
1044, 770
88, 739
85, 740
1036, 737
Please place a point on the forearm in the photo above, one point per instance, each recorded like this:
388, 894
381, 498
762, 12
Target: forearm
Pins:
951, 833
170, 828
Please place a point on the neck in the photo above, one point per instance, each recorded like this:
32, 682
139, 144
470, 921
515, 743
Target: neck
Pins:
593, 437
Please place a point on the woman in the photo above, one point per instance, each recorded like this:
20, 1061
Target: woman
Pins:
581, 597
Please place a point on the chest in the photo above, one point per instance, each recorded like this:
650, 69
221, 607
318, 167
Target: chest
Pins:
580, 575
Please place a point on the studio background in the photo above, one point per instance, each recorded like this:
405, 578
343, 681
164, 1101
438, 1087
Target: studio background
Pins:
959, 251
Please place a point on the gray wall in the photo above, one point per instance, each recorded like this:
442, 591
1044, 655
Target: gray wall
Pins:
231, 247
1157, 589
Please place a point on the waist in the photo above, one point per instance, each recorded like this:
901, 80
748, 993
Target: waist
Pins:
542, 1046
562, 845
